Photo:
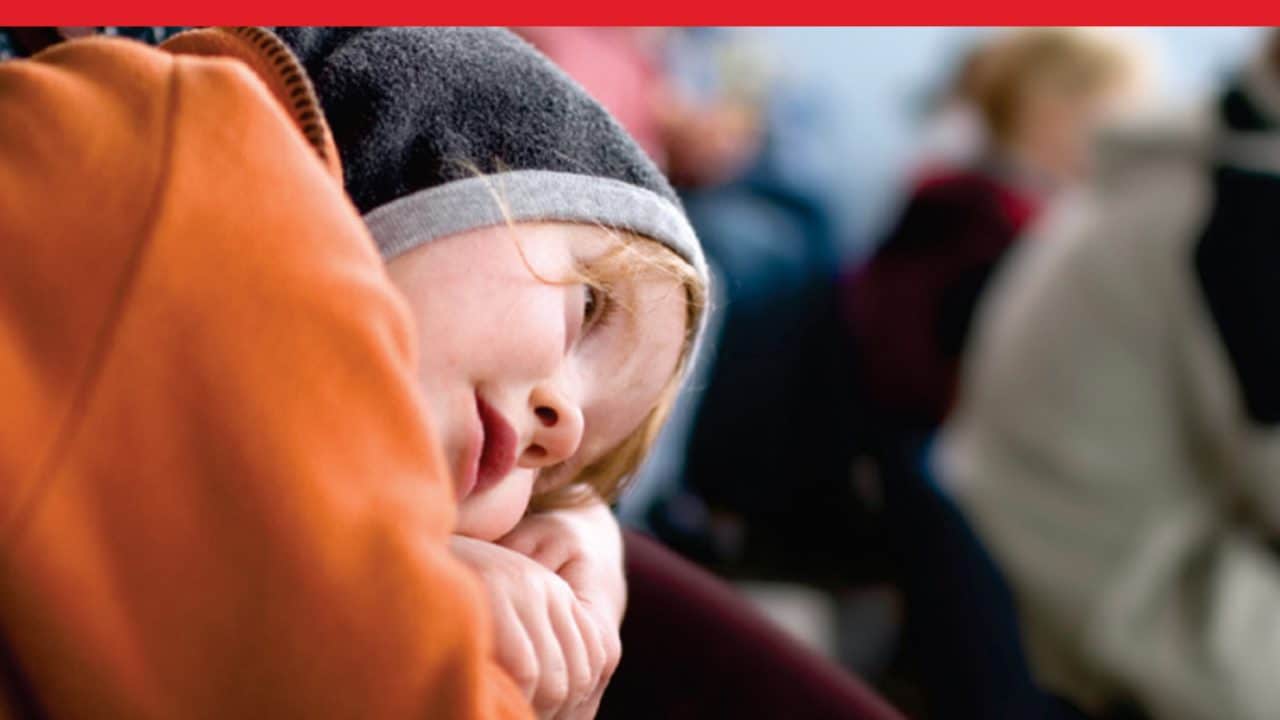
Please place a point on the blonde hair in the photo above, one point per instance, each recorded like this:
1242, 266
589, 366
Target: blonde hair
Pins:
607, 476
1081, 61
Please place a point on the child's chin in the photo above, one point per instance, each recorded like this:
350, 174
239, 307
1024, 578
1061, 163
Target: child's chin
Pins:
475, 520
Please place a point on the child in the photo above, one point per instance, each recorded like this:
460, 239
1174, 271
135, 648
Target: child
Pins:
557, 289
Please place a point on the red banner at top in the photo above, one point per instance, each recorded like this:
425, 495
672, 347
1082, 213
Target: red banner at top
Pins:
649, 12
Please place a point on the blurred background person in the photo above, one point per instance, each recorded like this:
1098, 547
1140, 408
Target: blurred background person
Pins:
1117, 436
1038, 97
771, 404
1039, 94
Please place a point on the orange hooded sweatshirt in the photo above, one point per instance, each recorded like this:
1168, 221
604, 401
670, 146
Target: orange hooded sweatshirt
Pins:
219, 493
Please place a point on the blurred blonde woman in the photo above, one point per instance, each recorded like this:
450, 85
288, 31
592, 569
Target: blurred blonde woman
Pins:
1040, 95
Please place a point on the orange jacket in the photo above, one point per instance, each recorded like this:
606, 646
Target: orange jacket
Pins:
219, 494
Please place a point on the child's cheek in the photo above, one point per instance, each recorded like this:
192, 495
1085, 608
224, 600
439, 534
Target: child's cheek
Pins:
534, 334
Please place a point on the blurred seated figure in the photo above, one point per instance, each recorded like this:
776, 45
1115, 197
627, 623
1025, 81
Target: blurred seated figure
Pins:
771, 446
765, 490
1040, 93
1116, 441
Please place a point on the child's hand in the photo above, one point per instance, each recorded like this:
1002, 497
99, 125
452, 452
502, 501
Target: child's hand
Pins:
583, 545
546, 638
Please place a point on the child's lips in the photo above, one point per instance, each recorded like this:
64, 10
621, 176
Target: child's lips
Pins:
497, 454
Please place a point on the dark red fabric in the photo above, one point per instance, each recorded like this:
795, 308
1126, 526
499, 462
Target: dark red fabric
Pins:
911, 305
694, 649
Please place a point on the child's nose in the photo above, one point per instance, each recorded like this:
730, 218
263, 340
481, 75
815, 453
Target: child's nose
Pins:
557, 432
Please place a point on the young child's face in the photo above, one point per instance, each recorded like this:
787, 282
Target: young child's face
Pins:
524, 372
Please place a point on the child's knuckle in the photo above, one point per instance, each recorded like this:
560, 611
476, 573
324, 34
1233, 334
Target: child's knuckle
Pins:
524, 671
554, 688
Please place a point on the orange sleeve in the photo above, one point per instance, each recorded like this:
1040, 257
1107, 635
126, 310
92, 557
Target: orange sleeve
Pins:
219, 494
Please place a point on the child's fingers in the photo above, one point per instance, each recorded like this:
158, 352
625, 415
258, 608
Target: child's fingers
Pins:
581, 671
552, 686
578, 705
607, 643
611, 636
589, 583
514, 650
582, 705
590, 631
589, 707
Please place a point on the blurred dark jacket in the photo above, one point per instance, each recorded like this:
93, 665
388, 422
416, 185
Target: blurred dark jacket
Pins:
911, 305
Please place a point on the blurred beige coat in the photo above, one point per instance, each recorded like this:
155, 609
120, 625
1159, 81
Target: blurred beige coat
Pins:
1102, 450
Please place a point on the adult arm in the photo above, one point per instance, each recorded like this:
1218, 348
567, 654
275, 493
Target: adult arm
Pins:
221, 496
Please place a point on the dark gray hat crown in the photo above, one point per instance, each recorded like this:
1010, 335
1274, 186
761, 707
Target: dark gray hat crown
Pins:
443, 130
411, 108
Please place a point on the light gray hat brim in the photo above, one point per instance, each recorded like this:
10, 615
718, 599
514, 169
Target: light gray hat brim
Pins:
531, 196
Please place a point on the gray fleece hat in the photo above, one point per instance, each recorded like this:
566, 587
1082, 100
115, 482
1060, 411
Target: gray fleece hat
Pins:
444, 130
